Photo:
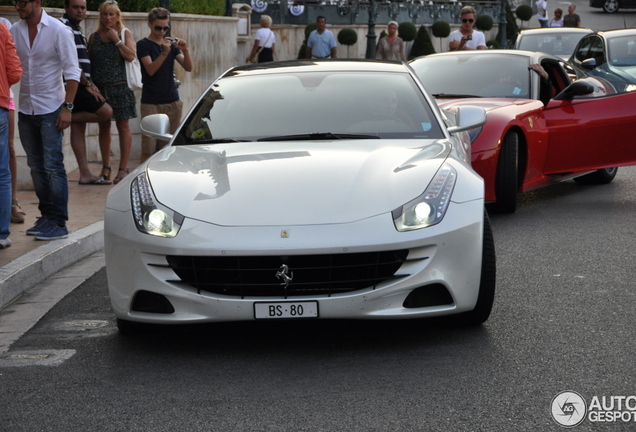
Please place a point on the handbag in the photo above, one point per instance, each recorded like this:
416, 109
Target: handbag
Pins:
133, 68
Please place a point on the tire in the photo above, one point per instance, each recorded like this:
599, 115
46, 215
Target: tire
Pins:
610, 6
507, 177
602, 176
487, 281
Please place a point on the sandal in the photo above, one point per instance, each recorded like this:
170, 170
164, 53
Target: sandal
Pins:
17, 215
120, 178
105, 176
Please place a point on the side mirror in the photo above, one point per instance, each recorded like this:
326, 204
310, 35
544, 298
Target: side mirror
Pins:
577, 88
589, 64
156, 126
468, 117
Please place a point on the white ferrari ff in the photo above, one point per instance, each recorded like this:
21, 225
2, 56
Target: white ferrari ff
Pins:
304, 190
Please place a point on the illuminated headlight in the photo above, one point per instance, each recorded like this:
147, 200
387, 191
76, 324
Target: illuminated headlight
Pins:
151, 217
430, 207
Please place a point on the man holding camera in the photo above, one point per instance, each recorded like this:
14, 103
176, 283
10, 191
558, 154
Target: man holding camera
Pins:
159, 94
466, 38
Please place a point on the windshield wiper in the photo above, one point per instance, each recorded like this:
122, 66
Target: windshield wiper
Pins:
454, 95
317, 136
218, 141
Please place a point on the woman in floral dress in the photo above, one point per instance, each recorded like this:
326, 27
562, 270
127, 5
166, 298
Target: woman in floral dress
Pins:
108, 53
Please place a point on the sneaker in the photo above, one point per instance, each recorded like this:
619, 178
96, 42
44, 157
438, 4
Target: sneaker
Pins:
5, 243
52, 231
40, 223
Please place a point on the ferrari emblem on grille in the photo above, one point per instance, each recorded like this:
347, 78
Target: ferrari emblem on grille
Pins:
282, 275
284, 233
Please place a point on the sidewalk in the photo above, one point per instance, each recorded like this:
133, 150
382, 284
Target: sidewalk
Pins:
28, 261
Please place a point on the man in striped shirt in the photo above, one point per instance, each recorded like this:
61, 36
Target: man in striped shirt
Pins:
89, 105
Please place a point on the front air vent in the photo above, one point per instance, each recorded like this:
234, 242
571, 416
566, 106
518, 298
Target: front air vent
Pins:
293, 275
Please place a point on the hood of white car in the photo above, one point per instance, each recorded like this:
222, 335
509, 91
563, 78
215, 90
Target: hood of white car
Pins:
293, 183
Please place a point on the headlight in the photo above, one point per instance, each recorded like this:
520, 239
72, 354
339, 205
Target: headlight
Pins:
151, 217
430, 207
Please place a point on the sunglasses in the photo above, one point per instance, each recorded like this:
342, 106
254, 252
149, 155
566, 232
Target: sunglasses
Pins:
21, 3
159, 28
469, 20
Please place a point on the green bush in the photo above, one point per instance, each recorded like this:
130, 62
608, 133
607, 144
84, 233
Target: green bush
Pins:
524, 12
407, 31
303, 48
441, 29
492, 44
383, 34
422, 45
484, 22
511, 24
199, 7
347, 36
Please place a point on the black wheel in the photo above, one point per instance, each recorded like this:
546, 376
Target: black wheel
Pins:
487, 282
507, 178
610, 6
602, 176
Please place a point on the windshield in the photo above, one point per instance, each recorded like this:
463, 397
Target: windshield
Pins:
561, 44
311, 105
622, 51
501, 76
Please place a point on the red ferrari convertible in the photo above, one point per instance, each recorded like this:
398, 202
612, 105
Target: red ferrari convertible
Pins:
538, 131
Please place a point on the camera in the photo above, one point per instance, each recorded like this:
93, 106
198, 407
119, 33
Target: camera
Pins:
469, 37
174, 41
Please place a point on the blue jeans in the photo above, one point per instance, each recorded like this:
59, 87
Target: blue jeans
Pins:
42, 143
543, 23
5, 175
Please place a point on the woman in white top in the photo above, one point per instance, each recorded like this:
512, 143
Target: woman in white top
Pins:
264, 41
466, 38
557, 20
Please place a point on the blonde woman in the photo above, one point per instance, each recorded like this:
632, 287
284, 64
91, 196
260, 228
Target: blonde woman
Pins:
264, 42
391, 47
108, 54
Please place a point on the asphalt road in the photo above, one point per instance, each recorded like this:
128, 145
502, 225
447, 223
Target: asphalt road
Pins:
563, 321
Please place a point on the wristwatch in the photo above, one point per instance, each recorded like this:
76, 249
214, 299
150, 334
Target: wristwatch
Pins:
68, 106
88, 84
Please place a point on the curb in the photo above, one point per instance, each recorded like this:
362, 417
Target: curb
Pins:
32, 268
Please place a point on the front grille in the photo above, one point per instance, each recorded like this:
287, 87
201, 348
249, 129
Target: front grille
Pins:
310, 274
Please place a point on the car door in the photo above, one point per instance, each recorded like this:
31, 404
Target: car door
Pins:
592, 131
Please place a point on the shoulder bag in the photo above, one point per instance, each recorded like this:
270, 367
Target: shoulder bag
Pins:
133, 68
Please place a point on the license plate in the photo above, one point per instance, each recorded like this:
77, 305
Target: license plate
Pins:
280, 310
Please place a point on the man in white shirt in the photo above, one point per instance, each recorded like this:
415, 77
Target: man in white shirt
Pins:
467, 38
48, 55
542, 12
